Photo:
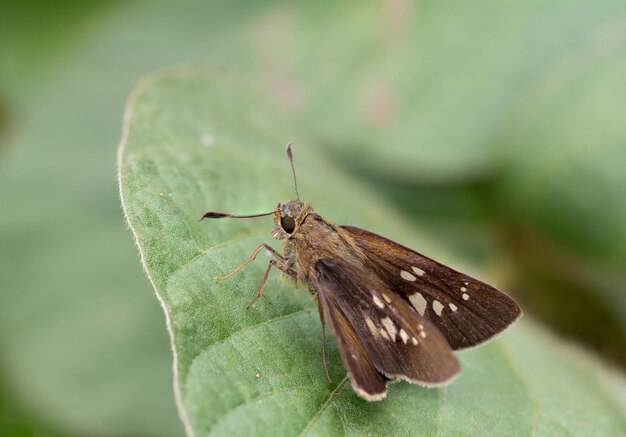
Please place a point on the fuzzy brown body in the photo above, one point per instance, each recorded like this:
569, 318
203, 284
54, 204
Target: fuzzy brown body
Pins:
395, 313
314, 240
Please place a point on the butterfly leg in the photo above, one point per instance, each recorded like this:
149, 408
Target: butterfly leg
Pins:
273, 263
252, 258
321, 310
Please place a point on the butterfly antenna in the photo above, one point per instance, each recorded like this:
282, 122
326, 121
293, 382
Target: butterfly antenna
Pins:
293, 170
226, 215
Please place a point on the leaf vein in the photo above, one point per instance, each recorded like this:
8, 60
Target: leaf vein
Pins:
252, 328
205, 252
260, 396
520, 377
324, 405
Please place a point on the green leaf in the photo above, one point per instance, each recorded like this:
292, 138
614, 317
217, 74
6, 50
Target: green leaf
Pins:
566, 147
194, 143
434, 82
565, 176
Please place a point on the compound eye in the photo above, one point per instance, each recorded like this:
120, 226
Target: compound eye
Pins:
288, 224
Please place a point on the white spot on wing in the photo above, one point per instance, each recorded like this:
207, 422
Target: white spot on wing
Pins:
407, 276
465, 296
463, 289
379, 303
387, 298
438, 307
371, 327
418, 271
384, 334
418, 302
414, 341
420, 327
391, 328
452, 307
404, 336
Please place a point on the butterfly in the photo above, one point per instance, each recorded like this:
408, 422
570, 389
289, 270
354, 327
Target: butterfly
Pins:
395, 314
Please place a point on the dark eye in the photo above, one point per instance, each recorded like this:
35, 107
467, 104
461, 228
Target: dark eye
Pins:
288, 224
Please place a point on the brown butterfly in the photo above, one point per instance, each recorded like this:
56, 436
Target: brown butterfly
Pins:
396, 314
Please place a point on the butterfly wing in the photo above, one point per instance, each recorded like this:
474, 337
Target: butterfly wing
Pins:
467, 311
367, 382
379, 334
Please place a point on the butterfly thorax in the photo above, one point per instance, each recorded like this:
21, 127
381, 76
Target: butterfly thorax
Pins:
309, 238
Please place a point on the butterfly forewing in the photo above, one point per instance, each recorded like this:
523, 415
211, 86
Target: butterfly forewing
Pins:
467, 311
399, 342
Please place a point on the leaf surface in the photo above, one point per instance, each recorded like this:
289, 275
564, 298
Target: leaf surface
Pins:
193, 143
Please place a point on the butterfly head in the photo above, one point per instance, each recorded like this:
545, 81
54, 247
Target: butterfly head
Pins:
288, 218
289, 215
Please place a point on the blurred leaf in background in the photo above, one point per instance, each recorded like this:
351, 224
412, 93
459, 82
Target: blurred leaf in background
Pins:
496, 128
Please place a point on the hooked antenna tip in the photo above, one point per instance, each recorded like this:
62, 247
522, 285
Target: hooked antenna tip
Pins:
224, 214
214, 215
293, 170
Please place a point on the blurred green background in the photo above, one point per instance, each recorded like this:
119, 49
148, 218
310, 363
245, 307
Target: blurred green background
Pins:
499, 128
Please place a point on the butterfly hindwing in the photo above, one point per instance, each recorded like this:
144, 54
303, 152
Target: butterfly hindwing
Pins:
368, 317
366, 380
467, 311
